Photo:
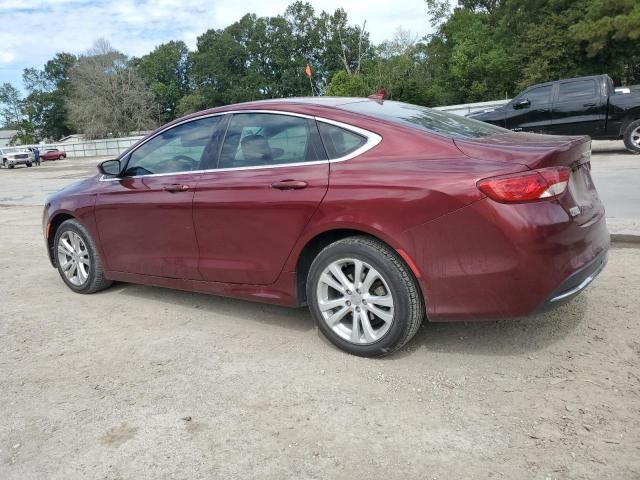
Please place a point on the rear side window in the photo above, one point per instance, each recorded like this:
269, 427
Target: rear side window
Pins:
265, 139
580, 90
424, 118
339, 142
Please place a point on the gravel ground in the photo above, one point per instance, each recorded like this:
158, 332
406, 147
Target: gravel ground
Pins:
139, 382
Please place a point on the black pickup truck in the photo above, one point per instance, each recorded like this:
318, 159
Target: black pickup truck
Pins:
576, 106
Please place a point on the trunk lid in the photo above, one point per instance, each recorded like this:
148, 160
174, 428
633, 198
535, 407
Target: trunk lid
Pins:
580, 201
529, 149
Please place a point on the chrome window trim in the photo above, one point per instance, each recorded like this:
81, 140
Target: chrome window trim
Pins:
373, 139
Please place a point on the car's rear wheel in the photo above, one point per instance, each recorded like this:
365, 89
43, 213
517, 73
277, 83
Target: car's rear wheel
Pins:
632, 137
77, 259
364, 298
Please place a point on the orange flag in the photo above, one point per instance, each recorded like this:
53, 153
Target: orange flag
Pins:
307, 70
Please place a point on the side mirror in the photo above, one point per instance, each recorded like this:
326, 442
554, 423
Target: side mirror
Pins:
522, 104
109, 167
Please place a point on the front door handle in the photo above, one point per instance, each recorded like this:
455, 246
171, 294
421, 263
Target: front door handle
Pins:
175, 188
589, 105
290, 185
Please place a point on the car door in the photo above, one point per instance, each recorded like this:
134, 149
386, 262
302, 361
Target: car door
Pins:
273, 173
580, 108
531, 110
144, 216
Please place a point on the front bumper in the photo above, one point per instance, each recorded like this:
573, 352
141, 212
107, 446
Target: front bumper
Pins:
18, 161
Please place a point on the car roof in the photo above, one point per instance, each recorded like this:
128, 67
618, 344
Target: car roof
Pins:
330, 102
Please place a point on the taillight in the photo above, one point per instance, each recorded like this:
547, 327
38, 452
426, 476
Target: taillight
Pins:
526, 186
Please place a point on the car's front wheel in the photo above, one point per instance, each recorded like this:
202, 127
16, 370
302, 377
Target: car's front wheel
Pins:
77, 259
363, 297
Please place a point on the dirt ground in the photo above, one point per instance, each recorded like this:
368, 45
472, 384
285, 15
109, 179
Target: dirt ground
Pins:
139, 382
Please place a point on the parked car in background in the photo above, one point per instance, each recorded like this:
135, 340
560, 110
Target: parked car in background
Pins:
52, 154
12, 156
373, 213
576, 106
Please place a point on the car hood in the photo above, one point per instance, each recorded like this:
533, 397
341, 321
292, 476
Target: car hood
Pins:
81, 186
529, 149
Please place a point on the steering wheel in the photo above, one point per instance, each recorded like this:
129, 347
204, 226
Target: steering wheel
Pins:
185, 161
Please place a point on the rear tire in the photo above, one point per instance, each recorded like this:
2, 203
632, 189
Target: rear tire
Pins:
384, 305
77, 259
632, 137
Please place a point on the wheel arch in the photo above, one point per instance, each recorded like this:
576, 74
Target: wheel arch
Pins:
314, 245
55, 222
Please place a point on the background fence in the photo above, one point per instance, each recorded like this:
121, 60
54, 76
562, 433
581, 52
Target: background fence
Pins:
92, 148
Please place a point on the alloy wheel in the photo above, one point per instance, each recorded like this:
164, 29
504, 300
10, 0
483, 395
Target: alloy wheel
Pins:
73, 258
635, 136
355, 301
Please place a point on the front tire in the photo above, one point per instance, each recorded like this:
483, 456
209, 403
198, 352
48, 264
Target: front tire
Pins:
632, 137
364, 298
77, 259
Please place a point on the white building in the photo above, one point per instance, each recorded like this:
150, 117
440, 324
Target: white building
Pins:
6, 136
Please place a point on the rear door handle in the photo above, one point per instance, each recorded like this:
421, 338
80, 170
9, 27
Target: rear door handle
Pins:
290, 185
589, 105
175, 188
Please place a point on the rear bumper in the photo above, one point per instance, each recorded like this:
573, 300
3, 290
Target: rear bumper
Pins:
490, 260
575, 283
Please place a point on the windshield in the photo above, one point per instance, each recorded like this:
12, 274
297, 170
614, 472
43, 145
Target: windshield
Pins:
424, 118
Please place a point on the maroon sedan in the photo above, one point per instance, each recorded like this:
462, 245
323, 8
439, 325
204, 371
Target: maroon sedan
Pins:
374, 214
52, 154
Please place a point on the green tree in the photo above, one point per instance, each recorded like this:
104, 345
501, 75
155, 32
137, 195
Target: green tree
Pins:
166, 72
49, 92
610, 33
489, 49
345, 84
265, 57
11, 102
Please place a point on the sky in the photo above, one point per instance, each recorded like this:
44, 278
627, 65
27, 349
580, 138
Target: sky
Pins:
32, 31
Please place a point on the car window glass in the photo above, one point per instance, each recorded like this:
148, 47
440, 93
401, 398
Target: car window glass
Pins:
539, 95
339, 142
263, 139
423, 118
178, 149
580, 90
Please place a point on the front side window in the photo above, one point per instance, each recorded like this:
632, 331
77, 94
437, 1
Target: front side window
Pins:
264, 139
178, 149
339, 142
580, 90
539, 96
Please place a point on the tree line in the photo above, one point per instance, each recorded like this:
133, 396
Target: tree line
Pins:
480, 50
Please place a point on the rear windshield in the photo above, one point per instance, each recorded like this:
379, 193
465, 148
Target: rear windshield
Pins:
424, 118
